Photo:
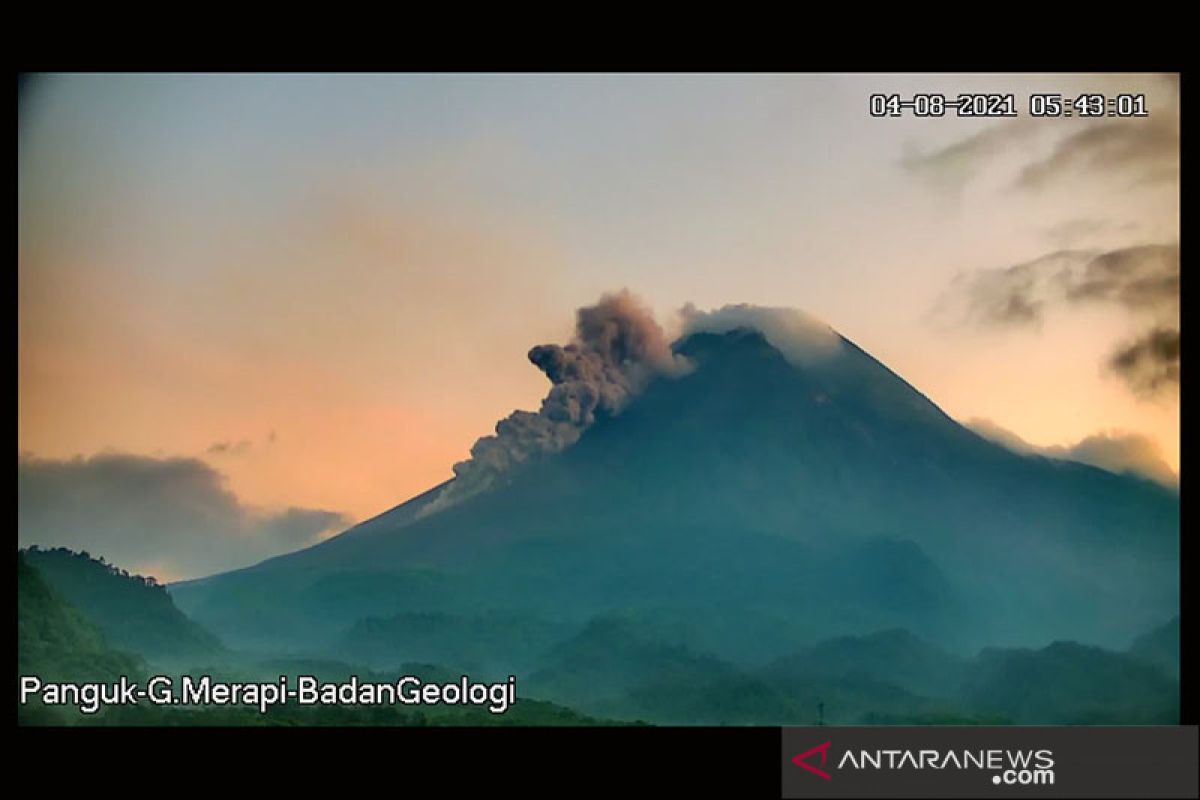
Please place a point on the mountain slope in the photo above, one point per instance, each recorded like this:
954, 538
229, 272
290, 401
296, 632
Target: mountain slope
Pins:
1160, 647
1070, 683
134, 613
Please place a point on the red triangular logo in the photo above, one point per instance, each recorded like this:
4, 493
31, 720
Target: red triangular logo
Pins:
800, 761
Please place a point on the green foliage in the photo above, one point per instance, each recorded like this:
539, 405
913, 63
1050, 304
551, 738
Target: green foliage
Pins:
56, 643
618, 668
134, 612
522, 713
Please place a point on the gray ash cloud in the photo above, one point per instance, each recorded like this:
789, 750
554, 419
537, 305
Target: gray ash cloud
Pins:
617, 348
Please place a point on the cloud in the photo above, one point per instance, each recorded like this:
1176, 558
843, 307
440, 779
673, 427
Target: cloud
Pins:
1012, 295
1139, 151
294, 527
957, 163
173, 516
1115, 451
617, 347
1143, 280
230, 448
1150, 363
1000, 435
1068, 233
1143, 150
802, 338
1123, 452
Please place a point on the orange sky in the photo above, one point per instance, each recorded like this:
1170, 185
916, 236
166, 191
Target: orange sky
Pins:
345, 276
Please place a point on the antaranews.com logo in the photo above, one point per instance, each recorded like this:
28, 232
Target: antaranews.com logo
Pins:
1008, 767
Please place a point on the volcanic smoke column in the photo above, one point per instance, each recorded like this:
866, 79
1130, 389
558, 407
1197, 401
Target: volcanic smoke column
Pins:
617, 348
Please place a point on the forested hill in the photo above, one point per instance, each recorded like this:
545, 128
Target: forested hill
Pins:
134, 612
54, 642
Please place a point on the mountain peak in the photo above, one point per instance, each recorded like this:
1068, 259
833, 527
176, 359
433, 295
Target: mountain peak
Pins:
784, 468
742, 339
799, 336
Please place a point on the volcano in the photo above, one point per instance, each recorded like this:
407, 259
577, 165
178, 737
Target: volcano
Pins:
749, 505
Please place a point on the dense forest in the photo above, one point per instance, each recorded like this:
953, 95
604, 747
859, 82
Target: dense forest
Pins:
56, 643
134, 612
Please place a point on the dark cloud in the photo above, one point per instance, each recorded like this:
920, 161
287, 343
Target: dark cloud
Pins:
1115, 451
617, 347
1150, 363
1144, 150
1143, 280
171, 517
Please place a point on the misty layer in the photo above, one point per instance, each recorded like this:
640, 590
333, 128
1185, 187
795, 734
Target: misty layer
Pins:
1116, 451
801, 338
617, 347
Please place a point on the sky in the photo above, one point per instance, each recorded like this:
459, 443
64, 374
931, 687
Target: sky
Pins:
285, 303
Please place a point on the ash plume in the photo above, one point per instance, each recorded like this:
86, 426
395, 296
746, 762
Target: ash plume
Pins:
616, 349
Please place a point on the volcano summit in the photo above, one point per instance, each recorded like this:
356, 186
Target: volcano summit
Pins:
757, 485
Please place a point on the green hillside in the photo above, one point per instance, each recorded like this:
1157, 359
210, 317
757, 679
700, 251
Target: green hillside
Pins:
56, 643
134, 613
1073, 684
